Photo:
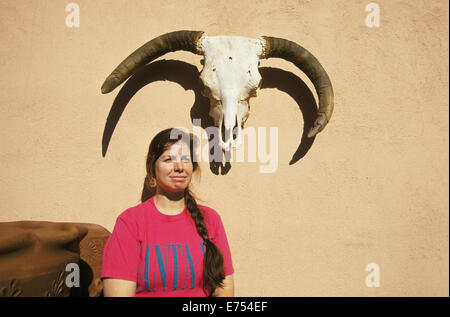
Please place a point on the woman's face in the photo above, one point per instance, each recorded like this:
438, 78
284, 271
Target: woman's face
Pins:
174, 168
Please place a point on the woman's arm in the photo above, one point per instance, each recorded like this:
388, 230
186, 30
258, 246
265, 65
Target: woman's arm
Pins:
228, 288
118, 288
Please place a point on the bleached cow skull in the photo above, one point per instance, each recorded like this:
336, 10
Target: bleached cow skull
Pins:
230, 74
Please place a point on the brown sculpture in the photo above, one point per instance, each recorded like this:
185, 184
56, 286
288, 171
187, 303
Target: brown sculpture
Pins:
34, 256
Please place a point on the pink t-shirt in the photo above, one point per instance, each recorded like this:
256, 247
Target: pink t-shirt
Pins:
162, 253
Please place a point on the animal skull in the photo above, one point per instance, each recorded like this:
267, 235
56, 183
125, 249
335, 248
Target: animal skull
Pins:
230, 77
230, 74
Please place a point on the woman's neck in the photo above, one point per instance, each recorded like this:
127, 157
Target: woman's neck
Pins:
168, 202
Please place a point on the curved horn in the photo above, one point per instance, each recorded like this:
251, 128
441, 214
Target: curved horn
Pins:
169, 42
306, 62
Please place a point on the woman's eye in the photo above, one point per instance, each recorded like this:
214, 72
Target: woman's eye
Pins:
184, 158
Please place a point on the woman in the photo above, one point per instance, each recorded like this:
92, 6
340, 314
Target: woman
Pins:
168, 245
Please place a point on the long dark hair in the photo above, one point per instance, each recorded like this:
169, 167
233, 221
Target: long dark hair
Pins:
213, 267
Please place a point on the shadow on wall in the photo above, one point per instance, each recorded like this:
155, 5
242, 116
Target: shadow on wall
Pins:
188, 77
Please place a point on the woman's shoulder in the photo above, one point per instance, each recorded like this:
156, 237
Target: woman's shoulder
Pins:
209, 213
134, 212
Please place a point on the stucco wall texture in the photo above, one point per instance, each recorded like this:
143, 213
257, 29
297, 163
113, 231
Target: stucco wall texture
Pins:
372, 187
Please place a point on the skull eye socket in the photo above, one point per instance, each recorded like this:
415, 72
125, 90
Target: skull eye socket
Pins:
207, 92
202, 61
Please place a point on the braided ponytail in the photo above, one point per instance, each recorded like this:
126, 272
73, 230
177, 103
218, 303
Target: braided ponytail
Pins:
213, 270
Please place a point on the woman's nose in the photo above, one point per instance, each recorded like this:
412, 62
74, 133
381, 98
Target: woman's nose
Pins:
178, 166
